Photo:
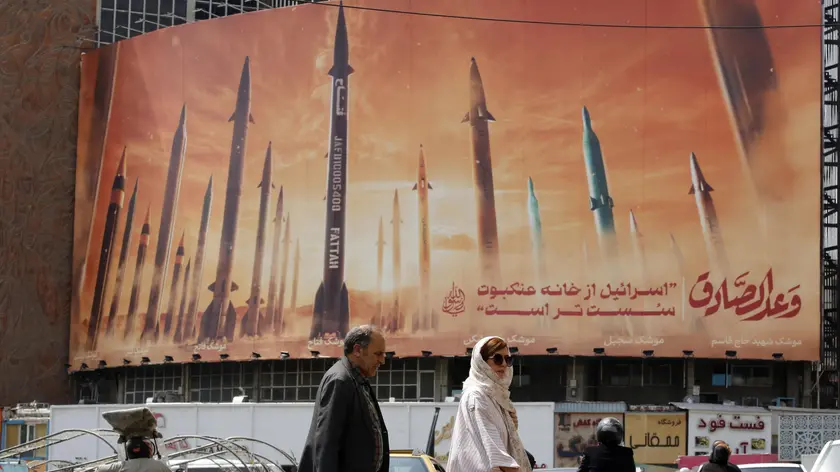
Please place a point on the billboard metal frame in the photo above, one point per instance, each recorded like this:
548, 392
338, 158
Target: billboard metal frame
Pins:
827, 384
118, 20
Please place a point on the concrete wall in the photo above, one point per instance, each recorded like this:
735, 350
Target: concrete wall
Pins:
40, 46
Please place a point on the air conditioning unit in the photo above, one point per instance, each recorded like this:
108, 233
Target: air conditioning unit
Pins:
788, 402
750, 401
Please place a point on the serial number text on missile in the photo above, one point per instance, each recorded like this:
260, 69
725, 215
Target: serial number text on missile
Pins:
336, 174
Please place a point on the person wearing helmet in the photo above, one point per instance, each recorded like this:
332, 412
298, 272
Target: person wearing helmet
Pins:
138, 453
609, 455
719, 459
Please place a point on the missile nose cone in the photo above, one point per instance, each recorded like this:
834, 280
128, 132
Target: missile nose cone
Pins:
267, 164
472, 60
121, 167
181, 242
147, 220
530, 185
587, 121
634, 227
245, 78
209, 186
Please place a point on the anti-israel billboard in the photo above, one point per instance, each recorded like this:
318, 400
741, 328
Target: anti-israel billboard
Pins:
624, 176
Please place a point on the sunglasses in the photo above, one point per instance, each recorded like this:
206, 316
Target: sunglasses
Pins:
499, 359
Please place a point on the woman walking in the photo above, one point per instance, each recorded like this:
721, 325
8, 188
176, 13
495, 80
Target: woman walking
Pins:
485, 437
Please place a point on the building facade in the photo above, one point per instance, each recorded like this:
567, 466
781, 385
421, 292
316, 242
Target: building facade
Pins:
428, 379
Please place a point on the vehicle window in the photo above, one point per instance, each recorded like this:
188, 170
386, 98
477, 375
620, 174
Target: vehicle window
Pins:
439, 468
407, 464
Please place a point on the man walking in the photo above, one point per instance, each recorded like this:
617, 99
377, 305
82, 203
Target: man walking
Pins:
348, 433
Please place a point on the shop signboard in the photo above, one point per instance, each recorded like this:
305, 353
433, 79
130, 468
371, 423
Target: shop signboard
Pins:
656, 438
747, 432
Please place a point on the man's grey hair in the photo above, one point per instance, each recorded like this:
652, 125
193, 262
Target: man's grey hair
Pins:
360, 335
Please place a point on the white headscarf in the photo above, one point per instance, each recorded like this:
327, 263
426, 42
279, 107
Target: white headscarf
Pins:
483, 379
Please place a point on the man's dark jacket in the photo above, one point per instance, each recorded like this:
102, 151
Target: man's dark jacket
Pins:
341, 437
603, 458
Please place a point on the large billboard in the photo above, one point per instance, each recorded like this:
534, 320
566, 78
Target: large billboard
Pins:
260, 183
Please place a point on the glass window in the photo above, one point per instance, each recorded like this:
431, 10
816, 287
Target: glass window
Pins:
406, 464
751, 376
657, 374
620, 375
427, 386
144, 382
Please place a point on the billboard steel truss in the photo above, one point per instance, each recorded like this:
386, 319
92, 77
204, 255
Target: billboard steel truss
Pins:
831, 204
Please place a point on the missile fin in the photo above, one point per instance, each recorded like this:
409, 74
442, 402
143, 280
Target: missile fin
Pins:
230, 322
336, 73
251, 119
262, 301
704, 187
212, 287
415, 187
231, 117
490, 116
210, 317
610, 202
429, 185
593, 204
466, 118
318, 306
344, 307
233, 286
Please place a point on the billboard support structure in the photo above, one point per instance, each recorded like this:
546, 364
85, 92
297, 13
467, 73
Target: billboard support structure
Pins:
826, 385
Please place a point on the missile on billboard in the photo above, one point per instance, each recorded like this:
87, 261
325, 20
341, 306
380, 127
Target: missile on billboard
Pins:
679, 260
397, 320
126, 244
745, 67
488, 234
380, 259
331, 310
535, 223
295, 276
169, 316
600, 201
171, 191
195, 289
708, 218
219, 319
250, 323
112, 217
638, 246
280, 323
537, 248
267, 321
179, 323
426, 318
137, 284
